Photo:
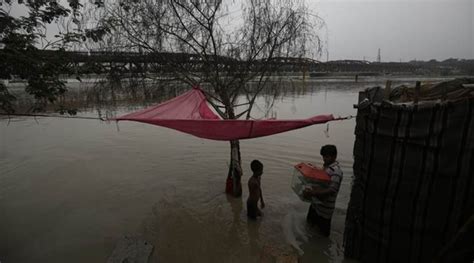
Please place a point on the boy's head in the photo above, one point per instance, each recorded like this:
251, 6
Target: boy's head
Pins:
329, 153
257, 167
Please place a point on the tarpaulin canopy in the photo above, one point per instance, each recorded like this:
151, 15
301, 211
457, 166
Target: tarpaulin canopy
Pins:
191, 114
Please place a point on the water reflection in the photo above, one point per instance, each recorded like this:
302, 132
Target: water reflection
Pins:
183, 234
107, 97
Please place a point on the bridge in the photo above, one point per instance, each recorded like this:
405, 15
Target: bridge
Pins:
106, 61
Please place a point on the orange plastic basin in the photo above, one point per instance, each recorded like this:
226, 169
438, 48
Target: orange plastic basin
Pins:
312, 172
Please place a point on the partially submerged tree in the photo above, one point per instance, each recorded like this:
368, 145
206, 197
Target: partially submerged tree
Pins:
230, 49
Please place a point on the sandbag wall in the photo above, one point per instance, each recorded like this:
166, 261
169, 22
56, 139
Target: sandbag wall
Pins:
413, 185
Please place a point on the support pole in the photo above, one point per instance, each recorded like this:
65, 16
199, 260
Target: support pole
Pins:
388, 89
417, 92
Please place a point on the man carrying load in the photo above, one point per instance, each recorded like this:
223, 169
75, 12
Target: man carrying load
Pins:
322, 206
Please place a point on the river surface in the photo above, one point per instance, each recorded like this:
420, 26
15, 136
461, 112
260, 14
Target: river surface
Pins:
71, 188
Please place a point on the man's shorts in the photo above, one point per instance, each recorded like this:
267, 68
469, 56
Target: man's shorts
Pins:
252, 210
313, 218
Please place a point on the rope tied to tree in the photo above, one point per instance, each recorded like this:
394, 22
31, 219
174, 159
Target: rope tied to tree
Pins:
53, 116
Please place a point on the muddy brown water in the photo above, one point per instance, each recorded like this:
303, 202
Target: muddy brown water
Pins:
70, 188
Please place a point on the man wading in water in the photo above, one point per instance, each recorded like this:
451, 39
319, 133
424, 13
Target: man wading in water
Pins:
255, 191
322, 207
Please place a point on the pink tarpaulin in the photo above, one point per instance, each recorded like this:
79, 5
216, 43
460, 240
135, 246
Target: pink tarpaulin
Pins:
191, 114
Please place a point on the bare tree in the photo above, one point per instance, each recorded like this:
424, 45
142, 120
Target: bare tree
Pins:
227, 47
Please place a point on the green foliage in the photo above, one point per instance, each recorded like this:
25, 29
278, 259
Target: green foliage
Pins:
20, 53
96, 34
6, 99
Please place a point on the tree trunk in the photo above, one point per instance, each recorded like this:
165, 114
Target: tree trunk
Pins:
233, 183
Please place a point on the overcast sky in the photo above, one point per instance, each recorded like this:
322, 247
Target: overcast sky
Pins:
406, 30
402, 29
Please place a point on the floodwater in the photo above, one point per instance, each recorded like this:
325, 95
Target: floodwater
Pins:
71, 188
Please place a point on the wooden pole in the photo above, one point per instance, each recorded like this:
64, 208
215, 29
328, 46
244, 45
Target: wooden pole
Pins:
417, 92
388, 89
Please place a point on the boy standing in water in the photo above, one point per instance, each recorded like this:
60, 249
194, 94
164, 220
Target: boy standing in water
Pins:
321, 210
255, 191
